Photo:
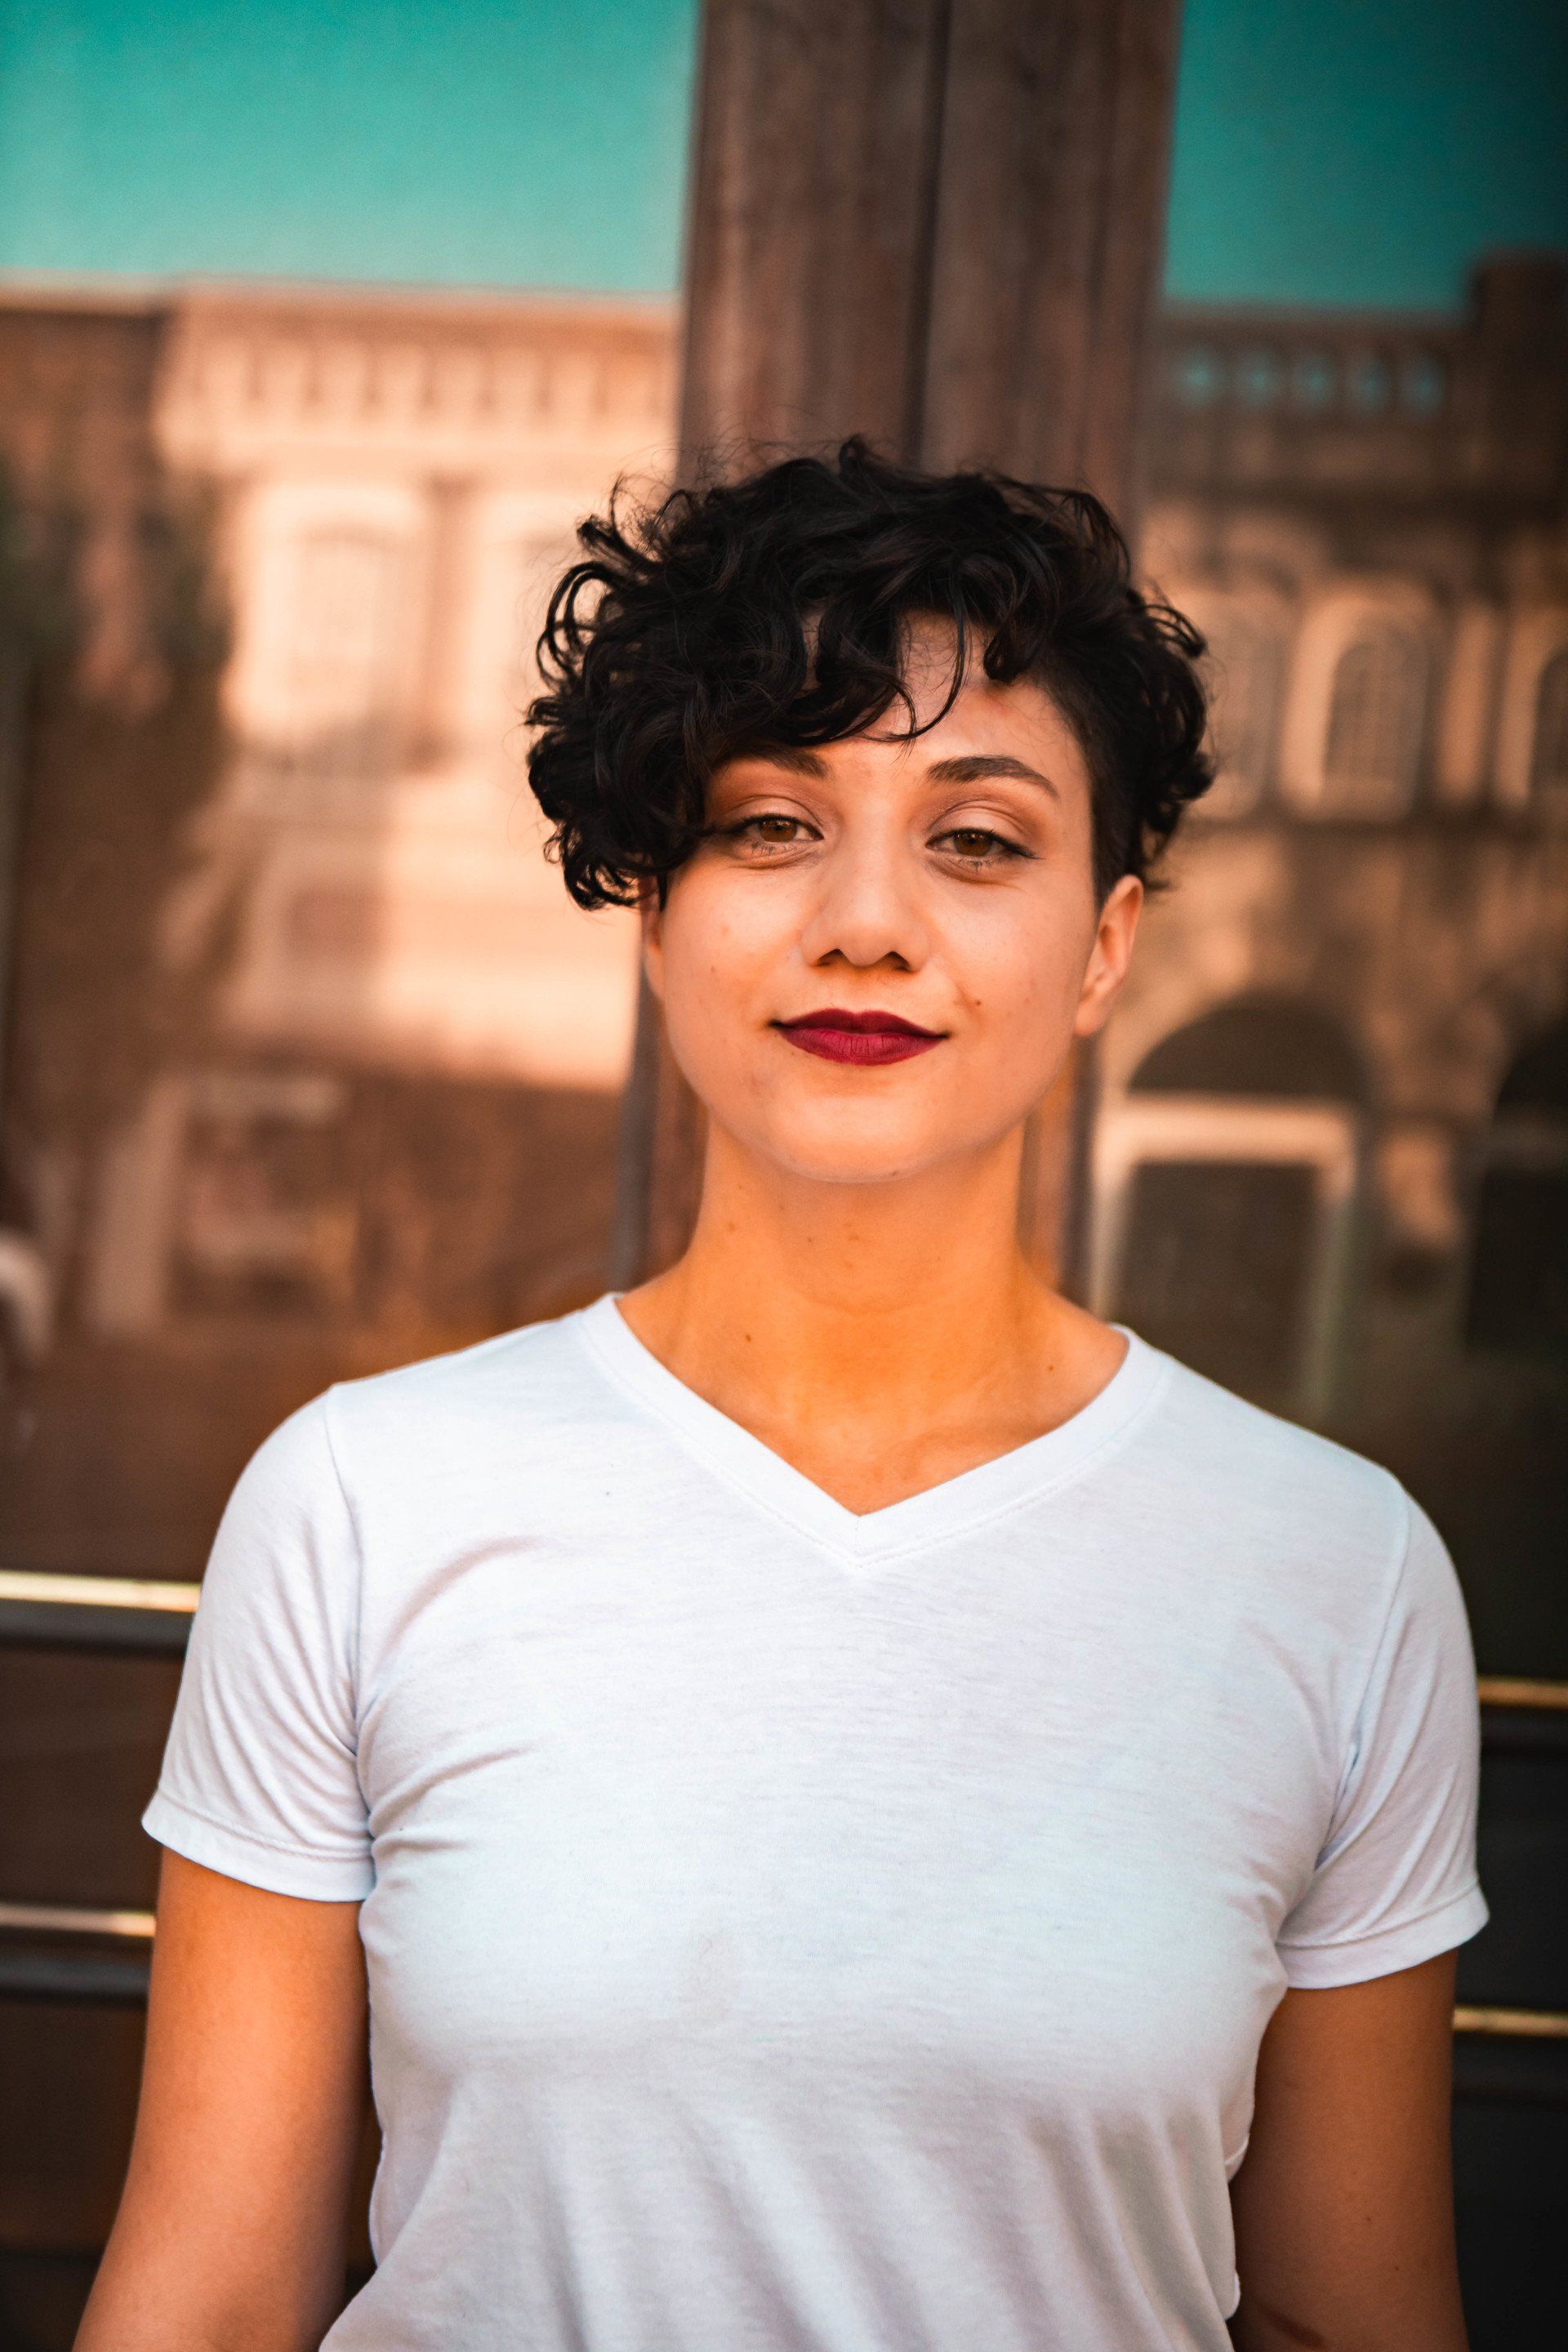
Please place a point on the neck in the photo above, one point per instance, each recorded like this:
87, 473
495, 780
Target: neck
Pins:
903, 1297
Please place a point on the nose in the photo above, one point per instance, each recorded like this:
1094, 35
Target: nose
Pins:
866, 910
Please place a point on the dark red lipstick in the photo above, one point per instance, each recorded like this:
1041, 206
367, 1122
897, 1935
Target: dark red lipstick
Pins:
868, 1038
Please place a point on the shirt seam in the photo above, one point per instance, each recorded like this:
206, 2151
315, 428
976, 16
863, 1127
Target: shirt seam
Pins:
1112, 1438
711, 1460
254, 1837
1390, 1928
1351, 1768
696, 1444
352, 1517
852, 1550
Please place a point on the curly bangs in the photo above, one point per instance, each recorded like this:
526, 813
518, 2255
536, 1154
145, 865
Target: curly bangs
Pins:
774, 612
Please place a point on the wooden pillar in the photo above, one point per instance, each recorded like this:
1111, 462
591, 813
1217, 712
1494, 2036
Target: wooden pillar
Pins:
814, 167
938, 222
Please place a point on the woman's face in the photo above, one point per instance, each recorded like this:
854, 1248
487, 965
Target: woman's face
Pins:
943, 882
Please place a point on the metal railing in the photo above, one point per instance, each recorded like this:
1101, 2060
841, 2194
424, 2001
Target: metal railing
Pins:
1519, 1690
107, 1955
134, 1612
96, 1613
113, 1975
1516, 2056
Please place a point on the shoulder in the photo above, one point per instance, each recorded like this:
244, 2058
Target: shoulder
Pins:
394, 1466
527, 1382
1273, 1504
1300, 1558
1261, 1460
517, 1394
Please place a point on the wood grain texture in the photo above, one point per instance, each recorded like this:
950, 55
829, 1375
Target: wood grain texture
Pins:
938, 222
807, 258
1048, 238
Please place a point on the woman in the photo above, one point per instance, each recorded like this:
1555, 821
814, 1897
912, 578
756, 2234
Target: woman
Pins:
877, 1811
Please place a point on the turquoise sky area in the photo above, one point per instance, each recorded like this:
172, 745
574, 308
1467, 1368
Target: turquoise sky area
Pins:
1327, 150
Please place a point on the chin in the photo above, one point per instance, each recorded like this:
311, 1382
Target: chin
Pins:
860, 1150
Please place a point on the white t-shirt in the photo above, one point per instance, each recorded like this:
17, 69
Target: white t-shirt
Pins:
793, 1931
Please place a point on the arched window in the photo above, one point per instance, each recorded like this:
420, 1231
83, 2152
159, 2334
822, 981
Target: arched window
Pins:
1376, 722
345, 651
1549, 740
1225, 1179
1244, 671
1518, 1276
1266, 1047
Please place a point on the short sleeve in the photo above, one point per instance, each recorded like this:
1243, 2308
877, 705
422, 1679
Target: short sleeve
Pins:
1395, 1882
259, 1777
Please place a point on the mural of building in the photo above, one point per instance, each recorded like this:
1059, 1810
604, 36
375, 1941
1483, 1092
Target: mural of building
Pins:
309, 1064
400, 485
1332, 1157
1331, 1160
388, 485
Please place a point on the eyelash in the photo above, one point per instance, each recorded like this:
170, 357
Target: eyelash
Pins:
997, 842
747, 824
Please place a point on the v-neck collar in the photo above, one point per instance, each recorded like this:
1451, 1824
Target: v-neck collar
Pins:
936, 1513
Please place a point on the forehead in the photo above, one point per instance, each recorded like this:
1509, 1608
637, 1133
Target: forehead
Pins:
1017, 723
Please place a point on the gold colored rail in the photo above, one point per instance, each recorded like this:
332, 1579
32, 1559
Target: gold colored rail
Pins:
69, 1919
39, 1589
96, 1591
138, 1927
1513, 2024
32, 1966
1519, 1690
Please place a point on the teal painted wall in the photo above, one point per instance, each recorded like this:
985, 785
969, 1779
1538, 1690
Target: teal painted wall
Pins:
1364, 151
469, 141
1330, 151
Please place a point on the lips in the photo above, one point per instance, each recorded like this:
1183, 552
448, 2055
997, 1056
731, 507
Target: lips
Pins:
869, 1039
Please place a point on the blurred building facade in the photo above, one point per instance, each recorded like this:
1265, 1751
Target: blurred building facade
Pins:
1331, 1158
1331, 1153
385, 1121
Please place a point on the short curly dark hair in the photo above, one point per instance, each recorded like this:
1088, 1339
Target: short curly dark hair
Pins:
773, 610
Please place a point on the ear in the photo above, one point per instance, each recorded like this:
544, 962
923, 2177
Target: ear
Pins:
1109, 956
650, 918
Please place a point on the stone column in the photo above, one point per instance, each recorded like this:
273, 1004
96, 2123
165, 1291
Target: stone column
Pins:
439, 717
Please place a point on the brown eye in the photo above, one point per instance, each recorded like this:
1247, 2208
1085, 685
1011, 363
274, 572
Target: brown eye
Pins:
976, 846
773, 830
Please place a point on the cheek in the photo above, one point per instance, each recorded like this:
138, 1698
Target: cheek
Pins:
1020, 962
720, 943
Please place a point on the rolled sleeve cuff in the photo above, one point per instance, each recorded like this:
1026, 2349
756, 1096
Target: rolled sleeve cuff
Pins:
345, 1877
1405, 1945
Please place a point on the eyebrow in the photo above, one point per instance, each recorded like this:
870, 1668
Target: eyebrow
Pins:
979, 765
793, 756
975, 768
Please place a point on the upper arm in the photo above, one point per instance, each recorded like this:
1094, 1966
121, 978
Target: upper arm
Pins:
1394, 1883
260, 1774
1344, 2204
232, 2227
